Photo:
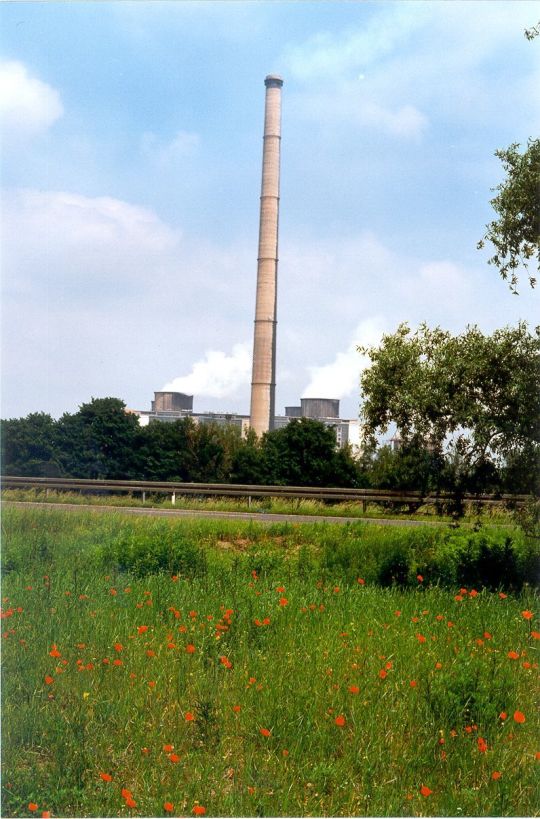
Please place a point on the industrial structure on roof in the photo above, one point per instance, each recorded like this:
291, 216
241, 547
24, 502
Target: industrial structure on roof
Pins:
173, 406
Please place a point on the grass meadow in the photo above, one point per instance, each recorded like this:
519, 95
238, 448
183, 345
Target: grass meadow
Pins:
180, 668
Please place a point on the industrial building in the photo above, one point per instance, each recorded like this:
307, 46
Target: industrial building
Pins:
173, 406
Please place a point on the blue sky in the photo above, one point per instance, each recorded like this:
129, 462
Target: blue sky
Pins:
132, 140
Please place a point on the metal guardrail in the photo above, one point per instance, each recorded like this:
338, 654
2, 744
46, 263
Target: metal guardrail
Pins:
175, 489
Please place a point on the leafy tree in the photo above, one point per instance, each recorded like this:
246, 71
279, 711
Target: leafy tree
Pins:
515, 234
304, 453
30, 446
99, 441
472, 396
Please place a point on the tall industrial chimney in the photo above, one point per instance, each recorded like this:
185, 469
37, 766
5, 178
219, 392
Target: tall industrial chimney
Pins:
263, 384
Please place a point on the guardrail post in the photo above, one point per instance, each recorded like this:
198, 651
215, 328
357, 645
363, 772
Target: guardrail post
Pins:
173, 498
143, 496
249, 501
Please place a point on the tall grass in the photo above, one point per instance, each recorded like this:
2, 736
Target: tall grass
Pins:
314, 689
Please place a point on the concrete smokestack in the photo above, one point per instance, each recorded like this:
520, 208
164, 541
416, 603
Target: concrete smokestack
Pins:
263, 384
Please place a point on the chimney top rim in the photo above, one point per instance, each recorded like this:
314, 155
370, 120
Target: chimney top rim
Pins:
273, 80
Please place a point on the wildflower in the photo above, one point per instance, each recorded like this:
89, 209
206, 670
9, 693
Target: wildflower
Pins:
190, 648
413, 683
45, 814
151, 684
236, 709
438, 665
32, 806
513, 655
54, 651
458, 598
361, 581
353, 689
142, 629
48, 679
503, 715
419, 578
130, 802
519, 717
192, 614
283, 601
199, 810
106, 777
189, 716
383, 674
168, 807
174, 758
496, 775
168, 748
117, 662
265, 732
482, 745
535, 635
285, 752
473, 593
487, 635
126, 794
420, 638
397, 613
425, 791
280, 589
527, 615
340, 721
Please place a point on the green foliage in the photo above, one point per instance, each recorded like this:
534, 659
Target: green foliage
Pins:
515, 234
161, 549
473, 395
29, 446
304, 453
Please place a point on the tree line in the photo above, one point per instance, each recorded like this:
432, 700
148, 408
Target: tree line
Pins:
466, 409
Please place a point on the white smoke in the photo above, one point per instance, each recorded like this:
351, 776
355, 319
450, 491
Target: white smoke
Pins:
342, 376
217, 375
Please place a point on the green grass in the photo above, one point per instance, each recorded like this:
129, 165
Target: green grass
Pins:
285, 506
85, 582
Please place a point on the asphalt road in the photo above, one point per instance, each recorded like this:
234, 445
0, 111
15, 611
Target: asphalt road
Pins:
256, 517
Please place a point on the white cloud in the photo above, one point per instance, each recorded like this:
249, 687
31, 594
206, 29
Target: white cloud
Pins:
81, 246
217, 375
341, 377
27, 104
183, 146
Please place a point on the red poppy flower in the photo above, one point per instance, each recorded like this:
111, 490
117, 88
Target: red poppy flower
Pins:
118, 647
199, 810
190, 649
340, 721
236, 708
419, 578
45, 814
503, 596
48, 679
32, 806
527, 615
265, 732
126, 793
383, 674
189, 717
174, 758
535, 635
283, 601
280, 589
142, 629
503, 715
168, 807
353, 689
130, 802
168, 748
361, 581
425, 791
496, 775
413, 683
519, 717
420, 638
482, 745
54, 651
106, 777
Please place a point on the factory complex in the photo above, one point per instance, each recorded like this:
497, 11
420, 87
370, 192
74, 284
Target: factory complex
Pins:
172, 406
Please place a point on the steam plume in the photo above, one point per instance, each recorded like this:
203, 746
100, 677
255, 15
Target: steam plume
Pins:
217, 375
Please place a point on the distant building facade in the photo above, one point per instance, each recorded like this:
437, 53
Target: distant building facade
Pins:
172, 406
